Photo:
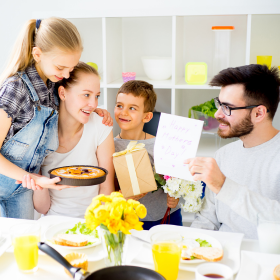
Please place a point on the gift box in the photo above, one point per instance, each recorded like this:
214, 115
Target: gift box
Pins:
134, 170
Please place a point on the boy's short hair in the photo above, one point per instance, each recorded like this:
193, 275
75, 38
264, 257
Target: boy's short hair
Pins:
260, 83
141, 89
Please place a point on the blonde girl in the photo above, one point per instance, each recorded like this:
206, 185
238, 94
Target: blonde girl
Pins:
45, 52
83, 140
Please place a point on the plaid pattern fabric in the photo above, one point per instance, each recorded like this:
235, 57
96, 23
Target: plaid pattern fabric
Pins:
17, 103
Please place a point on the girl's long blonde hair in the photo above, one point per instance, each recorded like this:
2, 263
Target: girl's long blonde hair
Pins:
53, 33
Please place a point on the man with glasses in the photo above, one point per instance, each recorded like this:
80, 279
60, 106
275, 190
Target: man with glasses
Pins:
243, 181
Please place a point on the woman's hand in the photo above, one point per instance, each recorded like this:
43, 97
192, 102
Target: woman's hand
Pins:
107, 119
39, 182
172, 202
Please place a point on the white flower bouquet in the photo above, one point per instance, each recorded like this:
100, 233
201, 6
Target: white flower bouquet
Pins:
191, 192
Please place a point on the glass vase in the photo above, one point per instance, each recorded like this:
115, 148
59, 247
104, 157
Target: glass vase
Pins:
113, 245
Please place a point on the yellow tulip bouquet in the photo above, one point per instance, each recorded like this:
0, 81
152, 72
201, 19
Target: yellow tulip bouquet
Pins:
116, 216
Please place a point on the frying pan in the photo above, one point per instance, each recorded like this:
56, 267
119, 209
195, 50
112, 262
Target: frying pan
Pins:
117, 272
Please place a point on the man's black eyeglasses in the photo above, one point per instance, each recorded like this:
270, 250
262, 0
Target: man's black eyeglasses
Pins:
227, 109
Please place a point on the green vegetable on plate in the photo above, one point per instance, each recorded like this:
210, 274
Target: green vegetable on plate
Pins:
81, 228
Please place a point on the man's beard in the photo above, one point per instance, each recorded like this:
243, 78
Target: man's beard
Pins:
245, 127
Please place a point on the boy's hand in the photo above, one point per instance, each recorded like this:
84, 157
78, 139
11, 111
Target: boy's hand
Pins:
135, 197
39, 182
172, 202
107, 119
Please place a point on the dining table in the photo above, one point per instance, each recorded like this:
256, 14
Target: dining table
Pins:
138, 252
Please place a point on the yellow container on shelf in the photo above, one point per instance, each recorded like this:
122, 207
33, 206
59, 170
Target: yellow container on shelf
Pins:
264, 59
196, 73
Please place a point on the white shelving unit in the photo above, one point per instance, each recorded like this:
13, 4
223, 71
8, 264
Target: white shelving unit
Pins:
117, 43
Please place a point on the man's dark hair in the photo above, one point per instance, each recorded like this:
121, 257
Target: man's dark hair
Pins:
261, 84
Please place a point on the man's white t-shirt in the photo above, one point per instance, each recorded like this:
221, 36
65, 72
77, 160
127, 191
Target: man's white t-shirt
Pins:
74, 201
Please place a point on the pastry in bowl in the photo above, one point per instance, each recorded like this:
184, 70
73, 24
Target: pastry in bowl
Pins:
79, 175
77, 260
78, 172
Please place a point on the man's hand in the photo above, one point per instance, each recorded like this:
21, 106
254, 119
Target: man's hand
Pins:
107, 119
208, 171
171, 201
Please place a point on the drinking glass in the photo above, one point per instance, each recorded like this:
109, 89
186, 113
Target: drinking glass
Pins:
25, 237
269, 235
166, 248
264, 59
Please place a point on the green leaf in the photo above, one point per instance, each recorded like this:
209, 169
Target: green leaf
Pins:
203, 243
159, 178
208, 108
81, 228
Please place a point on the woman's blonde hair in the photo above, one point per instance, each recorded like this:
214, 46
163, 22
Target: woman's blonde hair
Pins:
53, 33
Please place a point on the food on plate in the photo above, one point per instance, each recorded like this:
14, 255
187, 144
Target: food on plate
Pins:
78, 236
189, 244
208, 254
78, 172
203, 243
75, 240
81, 228
276, 272
77, 260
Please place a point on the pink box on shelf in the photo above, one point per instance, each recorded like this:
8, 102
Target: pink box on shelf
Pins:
128, 76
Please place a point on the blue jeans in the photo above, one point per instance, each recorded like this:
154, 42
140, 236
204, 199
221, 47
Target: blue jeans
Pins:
175, 219
27, 149
19, 205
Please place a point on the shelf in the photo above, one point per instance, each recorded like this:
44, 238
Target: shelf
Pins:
165, 84
183, 85
210, 131
117, 43
194, 42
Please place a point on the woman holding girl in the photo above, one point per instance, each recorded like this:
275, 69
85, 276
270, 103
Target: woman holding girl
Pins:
45, 53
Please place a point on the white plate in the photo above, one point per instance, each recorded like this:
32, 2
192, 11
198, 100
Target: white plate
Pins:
257, 266
189, 235
54, 230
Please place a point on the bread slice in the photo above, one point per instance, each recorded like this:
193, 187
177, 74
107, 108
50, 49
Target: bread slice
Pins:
75, 240
208, 254
276, 272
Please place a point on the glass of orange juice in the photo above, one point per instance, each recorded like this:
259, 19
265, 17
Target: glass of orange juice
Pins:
166, 248
25, 237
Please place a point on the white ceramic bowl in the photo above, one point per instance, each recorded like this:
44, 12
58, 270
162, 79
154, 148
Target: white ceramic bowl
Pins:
156, 67
213, 268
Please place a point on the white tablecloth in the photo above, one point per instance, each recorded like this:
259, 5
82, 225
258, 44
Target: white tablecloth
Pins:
50, 269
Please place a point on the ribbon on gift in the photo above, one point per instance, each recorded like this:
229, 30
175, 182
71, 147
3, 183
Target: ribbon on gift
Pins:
131, 147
